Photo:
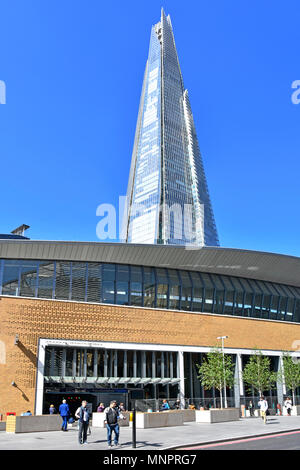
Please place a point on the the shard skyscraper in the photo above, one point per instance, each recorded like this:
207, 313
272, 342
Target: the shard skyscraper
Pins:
167, 196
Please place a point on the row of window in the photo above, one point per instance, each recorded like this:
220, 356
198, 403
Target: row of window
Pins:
149, 287
79, 362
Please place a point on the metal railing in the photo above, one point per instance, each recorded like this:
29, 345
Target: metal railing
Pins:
189, 403
207, 403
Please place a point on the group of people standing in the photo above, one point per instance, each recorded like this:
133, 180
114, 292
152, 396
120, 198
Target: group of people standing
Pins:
113, 413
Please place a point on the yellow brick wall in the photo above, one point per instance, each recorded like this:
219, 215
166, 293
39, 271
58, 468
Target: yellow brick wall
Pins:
34, 319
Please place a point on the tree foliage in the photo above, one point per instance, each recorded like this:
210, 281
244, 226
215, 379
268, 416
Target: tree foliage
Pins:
213, 372
291, 371
257, 373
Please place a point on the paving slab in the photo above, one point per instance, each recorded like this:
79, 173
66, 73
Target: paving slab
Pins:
155, 439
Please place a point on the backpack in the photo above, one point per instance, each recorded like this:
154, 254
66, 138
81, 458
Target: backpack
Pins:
77, 413
111, 416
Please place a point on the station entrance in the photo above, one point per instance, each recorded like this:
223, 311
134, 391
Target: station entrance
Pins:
100, 375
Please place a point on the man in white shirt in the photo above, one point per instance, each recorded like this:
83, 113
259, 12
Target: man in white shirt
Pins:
263, 405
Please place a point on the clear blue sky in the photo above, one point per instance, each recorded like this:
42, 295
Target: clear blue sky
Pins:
73, 71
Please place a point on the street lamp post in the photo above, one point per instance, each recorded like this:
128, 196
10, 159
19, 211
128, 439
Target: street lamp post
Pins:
225, 396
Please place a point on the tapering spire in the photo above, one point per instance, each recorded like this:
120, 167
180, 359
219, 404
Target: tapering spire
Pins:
168, 199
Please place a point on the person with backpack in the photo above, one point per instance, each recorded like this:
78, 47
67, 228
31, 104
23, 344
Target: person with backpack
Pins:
112, 415
83, 415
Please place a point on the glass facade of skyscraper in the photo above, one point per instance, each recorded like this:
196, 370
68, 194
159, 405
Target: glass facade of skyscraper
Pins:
147, 177
167, 197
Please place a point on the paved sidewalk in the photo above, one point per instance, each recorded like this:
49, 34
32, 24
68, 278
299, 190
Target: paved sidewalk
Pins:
151, 439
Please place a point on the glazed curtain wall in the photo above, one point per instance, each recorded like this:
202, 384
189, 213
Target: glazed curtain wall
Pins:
149, 287
82, 362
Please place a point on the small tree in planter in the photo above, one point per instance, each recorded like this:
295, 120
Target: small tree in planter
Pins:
214, 372
257, 373
291, 371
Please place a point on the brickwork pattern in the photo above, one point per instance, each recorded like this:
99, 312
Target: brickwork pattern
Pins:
32, 319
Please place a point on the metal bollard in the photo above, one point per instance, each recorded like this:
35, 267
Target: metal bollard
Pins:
133, 419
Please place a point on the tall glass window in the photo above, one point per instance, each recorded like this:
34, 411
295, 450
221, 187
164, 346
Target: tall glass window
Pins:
220, 293
63, 280
11, 274
28, 278
289, 304
248, 297
108, 283
46, 280
274, 301
198, 292
297, 311
260, 292
122, 287
162, 288
149, 287
209, 293
79, 281
239, 296
136, 285
265, 300
94, 279
296, 293
186, 290
175, 289
229, 295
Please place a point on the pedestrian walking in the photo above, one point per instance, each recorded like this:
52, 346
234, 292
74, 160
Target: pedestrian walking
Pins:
288, 405
64, 412
112, 415
83, 415
263, 405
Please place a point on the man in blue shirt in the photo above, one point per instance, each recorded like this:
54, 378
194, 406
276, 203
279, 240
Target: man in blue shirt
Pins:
64, 412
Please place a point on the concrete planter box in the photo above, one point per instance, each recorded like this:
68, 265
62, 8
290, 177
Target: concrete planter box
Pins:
188, 415
2, 426
35, 423
160, 419
98, 420
216, 415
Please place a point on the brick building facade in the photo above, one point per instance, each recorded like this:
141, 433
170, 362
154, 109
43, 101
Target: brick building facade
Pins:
172, 336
